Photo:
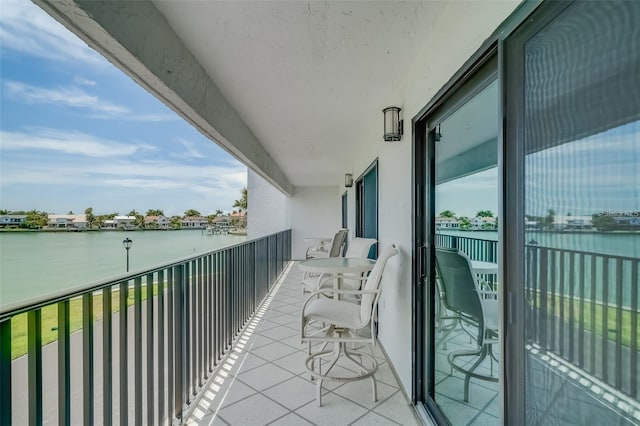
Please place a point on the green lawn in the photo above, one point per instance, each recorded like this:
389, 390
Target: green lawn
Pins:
50, 319
625, 325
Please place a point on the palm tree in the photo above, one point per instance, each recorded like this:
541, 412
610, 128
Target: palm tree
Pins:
242, 202
90, 217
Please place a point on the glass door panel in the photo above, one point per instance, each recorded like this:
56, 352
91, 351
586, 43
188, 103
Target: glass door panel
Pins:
581, 138
466, 317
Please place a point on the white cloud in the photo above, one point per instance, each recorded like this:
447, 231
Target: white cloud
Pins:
26, 28
74, 143
69, 96
75, 97
190, 150
83, 81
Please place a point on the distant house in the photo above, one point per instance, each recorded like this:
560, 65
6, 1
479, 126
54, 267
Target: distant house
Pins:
156, 222
447, 223
67, 221
125, 222
480, 223
531, 225
12, 220
561, 223
626, 222
239, 218
194, 222
222, 222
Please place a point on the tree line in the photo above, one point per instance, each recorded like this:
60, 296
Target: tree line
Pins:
39, 219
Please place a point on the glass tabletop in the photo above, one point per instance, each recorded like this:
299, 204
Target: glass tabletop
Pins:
337, 264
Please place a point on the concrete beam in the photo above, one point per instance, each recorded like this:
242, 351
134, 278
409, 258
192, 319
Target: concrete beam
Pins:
136, 38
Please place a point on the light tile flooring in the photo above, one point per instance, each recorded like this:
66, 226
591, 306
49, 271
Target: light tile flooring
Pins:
483, 405
264, 381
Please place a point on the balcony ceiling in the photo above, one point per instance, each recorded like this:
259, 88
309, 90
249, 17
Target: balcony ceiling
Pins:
309, 79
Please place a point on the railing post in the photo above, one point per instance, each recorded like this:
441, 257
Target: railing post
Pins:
87, 358
124, 353
107, 356
137, 351
160, 330
35, 366
5, 371
180, 341
150, 389
64, 388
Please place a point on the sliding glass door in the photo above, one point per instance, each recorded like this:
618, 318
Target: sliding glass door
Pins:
458, 233
573, 152
367, 206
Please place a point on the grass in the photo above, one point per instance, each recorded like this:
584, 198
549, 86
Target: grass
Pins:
612, 325
19, 323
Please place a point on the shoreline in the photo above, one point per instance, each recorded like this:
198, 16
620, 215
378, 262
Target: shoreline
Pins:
71, 230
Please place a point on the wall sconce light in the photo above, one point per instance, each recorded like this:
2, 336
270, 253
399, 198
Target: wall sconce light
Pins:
348, 180
392, 124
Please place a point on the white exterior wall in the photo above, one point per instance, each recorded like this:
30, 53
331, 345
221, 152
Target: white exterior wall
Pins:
459, 32
267, 210
314, 212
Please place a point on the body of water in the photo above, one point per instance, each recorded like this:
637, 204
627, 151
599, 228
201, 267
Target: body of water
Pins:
38, 263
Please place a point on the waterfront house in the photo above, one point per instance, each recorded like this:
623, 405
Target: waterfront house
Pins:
480, 223
239, 218
67, 221
109, 224
542, 94
447, 223
631, 222
12, 220
156, 222
194, 222
124, 222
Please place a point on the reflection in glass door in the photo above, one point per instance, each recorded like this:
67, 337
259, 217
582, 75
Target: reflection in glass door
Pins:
466, 315
579, 139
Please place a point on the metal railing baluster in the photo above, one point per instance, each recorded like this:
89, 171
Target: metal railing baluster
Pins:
181, 340
605, 319
124, 353
87, 358
137, 351
64, 387
5, 371
170, 344
633, 361
618, 353
107, 356
161, 348
35, 366
150, 389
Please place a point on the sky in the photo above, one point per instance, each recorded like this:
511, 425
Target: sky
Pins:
76, 132
595, 174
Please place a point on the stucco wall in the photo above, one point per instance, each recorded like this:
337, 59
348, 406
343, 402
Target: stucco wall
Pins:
459, 32
314, 212
267, 207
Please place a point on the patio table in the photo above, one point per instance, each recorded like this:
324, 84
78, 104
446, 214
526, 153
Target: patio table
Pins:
337, 266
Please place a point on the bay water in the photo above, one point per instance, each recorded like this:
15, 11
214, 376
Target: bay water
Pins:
33, 264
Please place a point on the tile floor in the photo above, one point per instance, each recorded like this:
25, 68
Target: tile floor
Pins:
264, 381
483, 405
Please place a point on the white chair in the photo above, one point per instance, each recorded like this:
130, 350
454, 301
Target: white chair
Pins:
338, 322
322, 249
359, 248
310, 282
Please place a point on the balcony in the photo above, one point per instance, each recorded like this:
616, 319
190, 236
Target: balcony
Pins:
219, 341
